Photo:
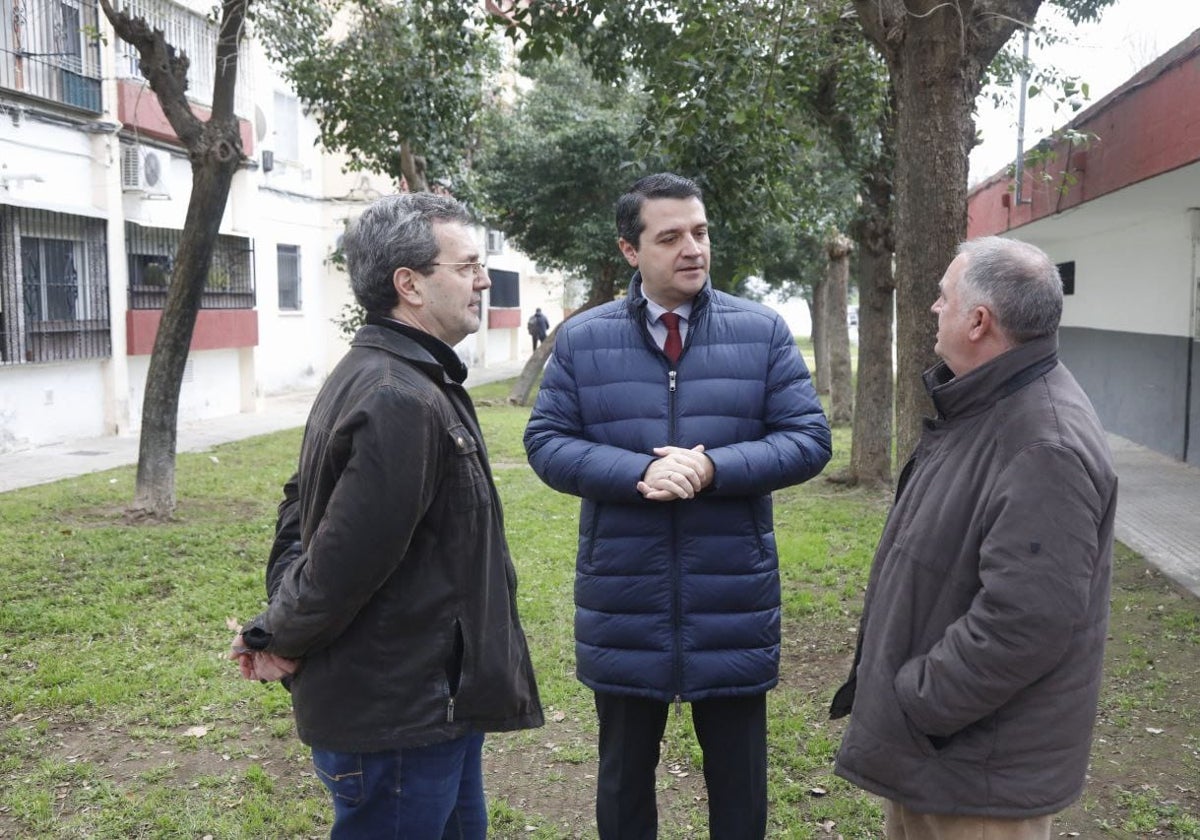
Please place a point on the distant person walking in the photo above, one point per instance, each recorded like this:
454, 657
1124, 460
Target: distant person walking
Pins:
538, 326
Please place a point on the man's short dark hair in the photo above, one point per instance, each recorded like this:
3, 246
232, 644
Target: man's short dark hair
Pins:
661, 185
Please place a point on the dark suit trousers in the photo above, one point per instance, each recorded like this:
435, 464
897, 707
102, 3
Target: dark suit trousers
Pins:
732, 732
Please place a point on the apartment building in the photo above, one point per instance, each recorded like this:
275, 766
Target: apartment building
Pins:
94, 188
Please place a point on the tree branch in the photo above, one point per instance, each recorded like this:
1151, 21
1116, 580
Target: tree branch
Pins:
884, 23
996, 21
164, 67
233, 22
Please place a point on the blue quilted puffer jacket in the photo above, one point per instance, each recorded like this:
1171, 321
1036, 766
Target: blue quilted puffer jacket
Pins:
677, 600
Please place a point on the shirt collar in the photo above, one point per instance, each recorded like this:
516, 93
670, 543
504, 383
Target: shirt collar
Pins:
654, 311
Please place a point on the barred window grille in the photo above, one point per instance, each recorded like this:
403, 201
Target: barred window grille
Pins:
150, 253
53, 287
50, 49
288, 259
190, 33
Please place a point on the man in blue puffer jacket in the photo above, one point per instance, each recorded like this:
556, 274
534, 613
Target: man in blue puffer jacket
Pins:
674, 414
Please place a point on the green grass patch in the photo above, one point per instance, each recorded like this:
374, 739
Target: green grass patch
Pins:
121, 718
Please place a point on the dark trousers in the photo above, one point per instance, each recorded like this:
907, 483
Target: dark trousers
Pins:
732, 732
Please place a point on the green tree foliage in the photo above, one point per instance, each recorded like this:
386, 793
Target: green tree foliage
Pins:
397, 86
726, 82
551, 167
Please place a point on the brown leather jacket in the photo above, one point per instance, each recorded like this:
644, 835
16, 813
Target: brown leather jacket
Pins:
391, 578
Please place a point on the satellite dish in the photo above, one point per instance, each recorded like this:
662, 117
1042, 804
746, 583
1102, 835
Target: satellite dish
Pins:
260, 124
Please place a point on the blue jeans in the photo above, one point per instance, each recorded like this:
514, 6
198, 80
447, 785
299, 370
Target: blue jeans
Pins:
419, 793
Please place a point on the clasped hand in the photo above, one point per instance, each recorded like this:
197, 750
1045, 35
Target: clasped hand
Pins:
258, 664
677, 473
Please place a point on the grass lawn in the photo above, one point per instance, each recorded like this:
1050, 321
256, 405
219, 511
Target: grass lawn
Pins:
121, 718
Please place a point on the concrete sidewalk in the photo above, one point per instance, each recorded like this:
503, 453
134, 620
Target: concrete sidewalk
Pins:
1158, 513
1158, 510
78, 457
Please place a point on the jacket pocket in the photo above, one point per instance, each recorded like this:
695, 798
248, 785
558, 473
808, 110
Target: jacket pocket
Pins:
454, 659
468, 479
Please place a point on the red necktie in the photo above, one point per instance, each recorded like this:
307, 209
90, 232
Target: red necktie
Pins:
673, 346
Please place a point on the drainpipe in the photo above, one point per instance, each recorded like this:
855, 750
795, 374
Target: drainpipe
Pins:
1191, 409
1021, 121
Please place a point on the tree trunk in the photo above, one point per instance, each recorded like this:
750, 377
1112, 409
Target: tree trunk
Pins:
603, 290
211, 179
412, 167
837, 331
523, 385
937, 54
820, 337
931, 220
215, 150
871, 439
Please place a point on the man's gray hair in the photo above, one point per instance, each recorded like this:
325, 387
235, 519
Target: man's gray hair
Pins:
1017, 282
395, 232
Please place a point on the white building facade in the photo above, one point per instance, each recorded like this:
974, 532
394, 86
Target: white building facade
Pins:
94, 189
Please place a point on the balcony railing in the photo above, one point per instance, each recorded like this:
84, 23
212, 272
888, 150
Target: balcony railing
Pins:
151, 254
49, 49
192, 34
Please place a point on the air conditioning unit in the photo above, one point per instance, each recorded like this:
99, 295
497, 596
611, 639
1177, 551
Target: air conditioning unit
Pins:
145, 170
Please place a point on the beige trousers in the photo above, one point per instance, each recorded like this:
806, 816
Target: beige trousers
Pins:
903, 824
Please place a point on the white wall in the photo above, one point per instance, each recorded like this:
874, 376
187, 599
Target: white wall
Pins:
50, 403
210, 386
292, 346
538, 289
1136, 278
62, 157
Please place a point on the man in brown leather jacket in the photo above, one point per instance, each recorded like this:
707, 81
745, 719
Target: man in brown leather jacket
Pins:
392, 593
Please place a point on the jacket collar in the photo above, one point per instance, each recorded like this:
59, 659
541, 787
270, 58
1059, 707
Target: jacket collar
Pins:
956, 396
637, 301
420, 348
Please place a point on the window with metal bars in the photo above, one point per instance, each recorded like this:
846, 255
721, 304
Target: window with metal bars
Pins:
150, 253
53, 287
50, 49
288, 260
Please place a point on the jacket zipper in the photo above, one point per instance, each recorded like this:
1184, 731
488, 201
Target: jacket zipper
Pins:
450, 711
676, 574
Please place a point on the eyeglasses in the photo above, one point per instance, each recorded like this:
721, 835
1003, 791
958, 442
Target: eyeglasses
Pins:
476, 267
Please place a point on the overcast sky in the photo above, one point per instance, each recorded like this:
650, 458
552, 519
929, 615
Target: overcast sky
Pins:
1130, 35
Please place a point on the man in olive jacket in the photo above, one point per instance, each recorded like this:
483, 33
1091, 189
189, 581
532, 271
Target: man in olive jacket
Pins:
392, 593
980, 650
